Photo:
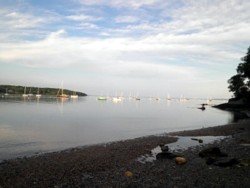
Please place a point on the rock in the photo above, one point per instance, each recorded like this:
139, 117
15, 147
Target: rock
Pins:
180, 160
202, 108
244, 162
166, 155
212, 152
128, 174
210, 160
161, 145
165, 148
228, 163
148, 151
196, 139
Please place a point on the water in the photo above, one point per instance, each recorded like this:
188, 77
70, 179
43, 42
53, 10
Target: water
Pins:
28, 127
183, 143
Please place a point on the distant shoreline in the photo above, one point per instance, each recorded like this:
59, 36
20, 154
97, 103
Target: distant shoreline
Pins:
19, 90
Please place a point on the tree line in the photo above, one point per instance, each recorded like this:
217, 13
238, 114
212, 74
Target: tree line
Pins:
239, 84
16, 90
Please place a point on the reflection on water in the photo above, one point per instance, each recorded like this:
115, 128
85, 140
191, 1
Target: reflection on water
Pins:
29, 126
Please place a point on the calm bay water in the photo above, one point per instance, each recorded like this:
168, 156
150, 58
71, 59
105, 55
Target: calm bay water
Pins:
28, 127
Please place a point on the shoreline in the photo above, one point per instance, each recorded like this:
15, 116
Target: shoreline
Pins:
105, 164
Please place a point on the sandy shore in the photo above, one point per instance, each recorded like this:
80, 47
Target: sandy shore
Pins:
105, 165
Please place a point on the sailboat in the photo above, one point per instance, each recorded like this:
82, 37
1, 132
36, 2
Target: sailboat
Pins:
137, 98
38, 95
62, 95
130, 96
157, 98
168, 98
6, 93
24, 93
30, 94
74, 96
117, 99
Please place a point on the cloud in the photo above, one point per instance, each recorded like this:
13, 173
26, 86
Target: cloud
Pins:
17, 25
82, 17
120, 3
88, 26
126, 19
20, 20
135, 40
58, 50
116, 56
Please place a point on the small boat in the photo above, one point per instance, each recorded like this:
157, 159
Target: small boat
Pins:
6, 93
30, 94
137, 98
168, 98
116, 99
102, 98
202, 107
183, 99
130, 96
74, 96
62, 95
24, 93
38, 95
121, 96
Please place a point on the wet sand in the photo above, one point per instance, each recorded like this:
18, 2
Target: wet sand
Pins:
105, 165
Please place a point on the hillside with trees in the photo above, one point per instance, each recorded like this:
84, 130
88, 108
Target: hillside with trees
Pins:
18, 90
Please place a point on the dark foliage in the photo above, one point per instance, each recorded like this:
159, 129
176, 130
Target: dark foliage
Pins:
11, 89
239, 84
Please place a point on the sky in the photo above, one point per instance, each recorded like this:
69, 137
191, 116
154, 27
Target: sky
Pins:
143, 47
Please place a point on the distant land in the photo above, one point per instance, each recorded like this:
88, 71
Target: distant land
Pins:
18, 90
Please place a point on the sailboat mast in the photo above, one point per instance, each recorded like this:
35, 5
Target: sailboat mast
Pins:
62, 87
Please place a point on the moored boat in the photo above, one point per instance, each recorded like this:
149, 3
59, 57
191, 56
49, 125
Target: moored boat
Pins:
102, 98
24, 92
74, 96
62, 95
6, 93
38, 95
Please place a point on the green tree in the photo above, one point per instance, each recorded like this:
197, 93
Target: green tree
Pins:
239, 84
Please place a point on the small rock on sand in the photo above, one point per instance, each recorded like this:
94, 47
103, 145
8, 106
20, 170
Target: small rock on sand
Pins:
180, 160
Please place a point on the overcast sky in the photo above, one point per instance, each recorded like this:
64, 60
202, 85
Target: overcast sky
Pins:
150, 47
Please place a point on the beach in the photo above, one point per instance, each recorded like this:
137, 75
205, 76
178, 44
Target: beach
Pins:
116, 164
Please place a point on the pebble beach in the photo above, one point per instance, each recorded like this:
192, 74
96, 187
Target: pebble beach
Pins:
116, 164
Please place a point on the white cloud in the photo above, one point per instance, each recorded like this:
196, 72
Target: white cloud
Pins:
15, 25
88, 26
120, 3
60, 50
20, 20
82, 17
178, 45
126, 19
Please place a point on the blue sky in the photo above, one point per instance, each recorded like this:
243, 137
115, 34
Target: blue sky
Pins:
150, 47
